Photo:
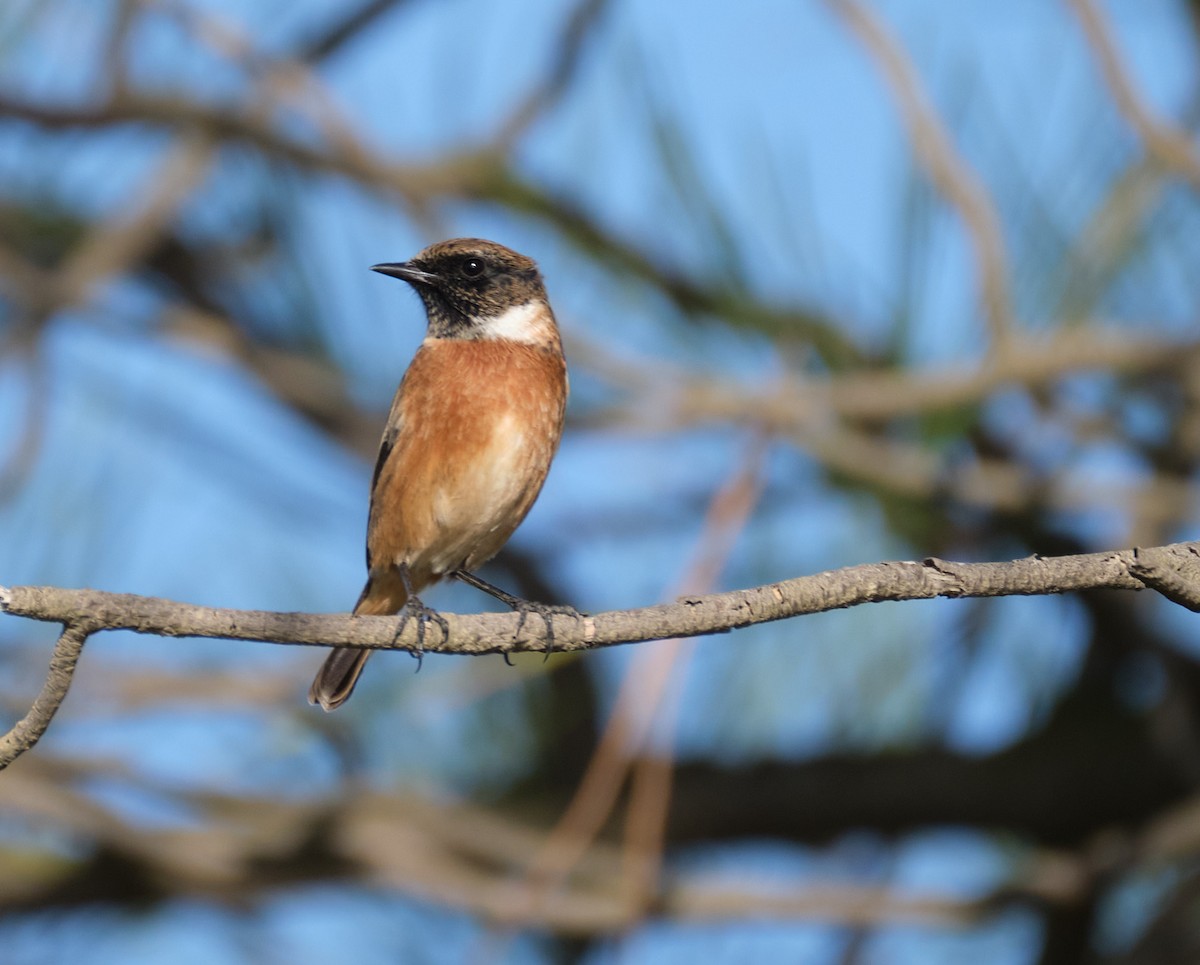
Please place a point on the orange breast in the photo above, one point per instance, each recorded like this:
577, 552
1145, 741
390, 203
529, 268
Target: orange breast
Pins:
479, 424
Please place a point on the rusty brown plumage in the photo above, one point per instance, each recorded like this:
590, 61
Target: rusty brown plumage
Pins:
471, 433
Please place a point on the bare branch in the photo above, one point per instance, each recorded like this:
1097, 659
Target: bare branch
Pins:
1032, 362
1177, 580
83, 612
949, 172
1171, 148
836, 419
414, 183
474, 634
29, 729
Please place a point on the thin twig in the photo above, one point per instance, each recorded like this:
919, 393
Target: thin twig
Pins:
654, 770
568, 58
29, 729
1170, 147
332, 40
948, 171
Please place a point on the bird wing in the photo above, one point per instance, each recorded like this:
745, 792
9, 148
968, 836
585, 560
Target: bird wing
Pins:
391, 433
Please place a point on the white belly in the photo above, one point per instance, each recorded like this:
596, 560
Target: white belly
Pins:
476, 511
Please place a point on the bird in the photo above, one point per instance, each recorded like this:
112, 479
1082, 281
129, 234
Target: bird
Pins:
472, 430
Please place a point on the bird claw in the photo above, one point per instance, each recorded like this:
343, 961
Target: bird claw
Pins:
523, 607
414, 609
547, 612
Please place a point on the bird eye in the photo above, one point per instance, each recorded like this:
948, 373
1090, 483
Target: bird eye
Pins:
473, 267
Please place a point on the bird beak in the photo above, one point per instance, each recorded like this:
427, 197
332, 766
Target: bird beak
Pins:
405, 271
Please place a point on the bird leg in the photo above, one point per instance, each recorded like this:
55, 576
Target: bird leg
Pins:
523, 607
414, 609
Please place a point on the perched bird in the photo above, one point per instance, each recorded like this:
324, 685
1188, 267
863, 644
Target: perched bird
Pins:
469, 439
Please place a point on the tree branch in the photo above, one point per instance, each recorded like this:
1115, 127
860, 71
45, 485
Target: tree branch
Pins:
474, 634
1173, 570
1178, 579
30, 728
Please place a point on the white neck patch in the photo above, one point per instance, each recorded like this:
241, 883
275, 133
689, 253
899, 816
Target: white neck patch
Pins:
521, 323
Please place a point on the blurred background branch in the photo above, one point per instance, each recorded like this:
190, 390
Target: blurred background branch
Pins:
945, 167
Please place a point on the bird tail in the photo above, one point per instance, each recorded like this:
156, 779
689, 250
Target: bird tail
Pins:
335, 681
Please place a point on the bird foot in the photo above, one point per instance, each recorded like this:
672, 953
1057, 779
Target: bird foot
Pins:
547, 612
523, 607
414, 609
